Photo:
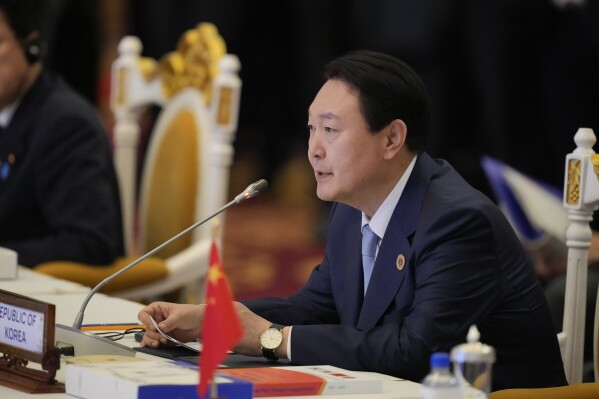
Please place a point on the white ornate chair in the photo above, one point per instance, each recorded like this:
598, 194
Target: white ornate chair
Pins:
185, 175
581, 198
569, 222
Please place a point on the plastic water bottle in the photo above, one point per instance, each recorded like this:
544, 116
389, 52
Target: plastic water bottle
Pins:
440, 383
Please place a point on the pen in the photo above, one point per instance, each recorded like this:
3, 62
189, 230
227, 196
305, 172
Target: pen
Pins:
111, 326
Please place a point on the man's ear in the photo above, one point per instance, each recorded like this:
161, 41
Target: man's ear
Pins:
32, 46
396, 134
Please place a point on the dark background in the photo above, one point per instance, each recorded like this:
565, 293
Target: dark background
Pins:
513, 79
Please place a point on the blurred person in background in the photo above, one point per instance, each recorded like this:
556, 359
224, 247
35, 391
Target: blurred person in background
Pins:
59, 196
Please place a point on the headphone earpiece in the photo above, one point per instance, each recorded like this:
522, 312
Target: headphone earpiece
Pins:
33, 51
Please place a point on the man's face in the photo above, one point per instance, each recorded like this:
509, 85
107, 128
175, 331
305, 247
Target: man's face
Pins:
345, 156
13, 65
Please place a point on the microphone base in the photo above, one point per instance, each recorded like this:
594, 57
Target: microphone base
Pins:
85, 343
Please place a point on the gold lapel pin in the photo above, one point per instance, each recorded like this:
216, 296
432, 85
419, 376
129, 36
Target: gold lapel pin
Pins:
400, 262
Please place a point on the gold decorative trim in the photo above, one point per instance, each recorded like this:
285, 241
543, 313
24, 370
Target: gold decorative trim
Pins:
223, 115
194, 63
121, 91
573, 185
148, 67
595, 162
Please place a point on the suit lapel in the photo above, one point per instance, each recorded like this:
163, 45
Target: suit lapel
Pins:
386, 277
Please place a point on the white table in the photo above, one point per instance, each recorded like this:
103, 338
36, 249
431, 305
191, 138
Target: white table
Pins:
29, 283
68, 297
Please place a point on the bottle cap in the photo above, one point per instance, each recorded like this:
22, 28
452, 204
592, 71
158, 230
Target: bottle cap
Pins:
473, 350
439, 359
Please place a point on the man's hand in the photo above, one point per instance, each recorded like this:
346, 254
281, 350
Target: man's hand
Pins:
253, 325
181, 321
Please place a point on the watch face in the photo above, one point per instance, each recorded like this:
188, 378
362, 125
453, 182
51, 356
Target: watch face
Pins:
271, 338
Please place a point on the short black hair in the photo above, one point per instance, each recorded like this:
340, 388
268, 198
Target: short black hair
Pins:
24, 16
387, 89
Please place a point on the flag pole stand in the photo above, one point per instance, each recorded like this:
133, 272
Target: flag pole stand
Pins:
215, 238
213, 389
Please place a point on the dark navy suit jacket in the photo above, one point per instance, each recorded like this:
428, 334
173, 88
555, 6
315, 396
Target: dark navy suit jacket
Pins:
59, 197
464, 265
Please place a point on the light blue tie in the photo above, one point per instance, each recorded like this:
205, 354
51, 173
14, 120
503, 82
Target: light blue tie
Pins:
369, 242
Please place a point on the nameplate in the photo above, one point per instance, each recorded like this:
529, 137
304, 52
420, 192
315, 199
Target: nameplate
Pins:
27, 335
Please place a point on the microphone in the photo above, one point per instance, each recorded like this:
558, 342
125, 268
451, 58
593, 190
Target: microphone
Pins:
250, 192
74, 333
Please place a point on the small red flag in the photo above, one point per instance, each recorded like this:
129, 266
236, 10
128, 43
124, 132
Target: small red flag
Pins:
222, 329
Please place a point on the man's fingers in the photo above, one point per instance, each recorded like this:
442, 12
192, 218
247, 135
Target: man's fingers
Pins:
153, 340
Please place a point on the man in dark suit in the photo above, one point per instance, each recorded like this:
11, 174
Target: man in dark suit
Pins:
59, 196
445, 256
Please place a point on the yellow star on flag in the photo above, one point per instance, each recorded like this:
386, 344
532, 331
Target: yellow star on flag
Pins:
214, 274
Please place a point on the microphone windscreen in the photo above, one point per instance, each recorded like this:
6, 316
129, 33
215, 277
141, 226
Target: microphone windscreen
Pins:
259, 186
